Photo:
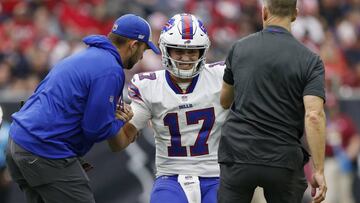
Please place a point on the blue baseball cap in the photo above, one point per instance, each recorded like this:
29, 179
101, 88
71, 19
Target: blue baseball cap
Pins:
134, 27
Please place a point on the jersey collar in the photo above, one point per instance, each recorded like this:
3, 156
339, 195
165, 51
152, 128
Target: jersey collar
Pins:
175, 87
276, 29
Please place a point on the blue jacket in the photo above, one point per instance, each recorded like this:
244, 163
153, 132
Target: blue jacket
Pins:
74, 106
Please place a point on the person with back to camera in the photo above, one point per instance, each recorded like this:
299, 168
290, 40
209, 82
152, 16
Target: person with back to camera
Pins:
274, 87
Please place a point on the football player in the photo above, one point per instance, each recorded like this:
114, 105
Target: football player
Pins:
182, 103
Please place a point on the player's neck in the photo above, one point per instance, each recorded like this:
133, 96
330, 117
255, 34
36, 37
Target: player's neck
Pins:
278, 21
124, 55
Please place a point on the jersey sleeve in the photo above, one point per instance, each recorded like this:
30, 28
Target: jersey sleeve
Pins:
141, 115
315, 79
139, 103
217, 68
99, 121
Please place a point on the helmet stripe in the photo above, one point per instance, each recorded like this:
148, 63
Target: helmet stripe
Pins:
187, 28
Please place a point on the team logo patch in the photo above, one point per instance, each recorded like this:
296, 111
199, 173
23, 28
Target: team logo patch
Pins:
115, 26
187, 42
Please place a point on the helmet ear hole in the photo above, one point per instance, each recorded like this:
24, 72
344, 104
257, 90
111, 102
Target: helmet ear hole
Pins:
168, 53
202, 51
167, 50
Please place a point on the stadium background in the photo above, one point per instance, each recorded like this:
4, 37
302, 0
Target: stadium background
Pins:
35, 34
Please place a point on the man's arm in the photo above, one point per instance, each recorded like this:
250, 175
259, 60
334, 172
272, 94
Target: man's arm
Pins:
127, 134
124, 137
98, 121
226, 95
139, 116
315, 133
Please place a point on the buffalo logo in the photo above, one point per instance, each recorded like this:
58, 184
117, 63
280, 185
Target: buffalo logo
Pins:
202, 27
187, 42
169, 25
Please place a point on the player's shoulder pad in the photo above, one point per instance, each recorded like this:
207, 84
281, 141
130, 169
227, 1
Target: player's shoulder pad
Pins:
141, 83
215, 68
146, 77
218, 64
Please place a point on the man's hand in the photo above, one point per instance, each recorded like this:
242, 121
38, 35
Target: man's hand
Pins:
318, 183
124, 112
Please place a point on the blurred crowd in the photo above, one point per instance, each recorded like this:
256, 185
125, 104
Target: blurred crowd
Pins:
35, 34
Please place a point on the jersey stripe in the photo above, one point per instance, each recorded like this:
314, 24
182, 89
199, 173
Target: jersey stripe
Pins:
134, 92
176, 87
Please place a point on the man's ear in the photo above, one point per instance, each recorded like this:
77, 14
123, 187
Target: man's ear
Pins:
265, 13
135, 44
293, 18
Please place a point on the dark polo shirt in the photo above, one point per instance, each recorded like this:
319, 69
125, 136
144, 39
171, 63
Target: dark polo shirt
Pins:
271, 72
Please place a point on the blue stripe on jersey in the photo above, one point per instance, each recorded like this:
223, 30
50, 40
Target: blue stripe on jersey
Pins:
191, 87
176, 87
134, 92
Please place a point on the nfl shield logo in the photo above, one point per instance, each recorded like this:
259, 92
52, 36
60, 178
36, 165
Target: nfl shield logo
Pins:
184, 98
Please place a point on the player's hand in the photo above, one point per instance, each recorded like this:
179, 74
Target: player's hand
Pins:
124, 112
318, 190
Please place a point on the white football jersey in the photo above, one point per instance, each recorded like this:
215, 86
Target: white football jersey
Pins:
187, 124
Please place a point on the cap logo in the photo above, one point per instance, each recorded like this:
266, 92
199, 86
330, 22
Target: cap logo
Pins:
111, 99
114, 28
141, 36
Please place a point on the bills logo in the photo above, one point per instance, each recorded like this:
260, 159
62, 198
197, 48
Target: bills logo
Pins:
169, 25
202, 27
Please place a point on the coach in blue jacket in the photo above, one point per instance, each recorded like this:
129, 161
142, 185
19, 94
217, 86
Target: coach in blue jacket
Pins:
71, 109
